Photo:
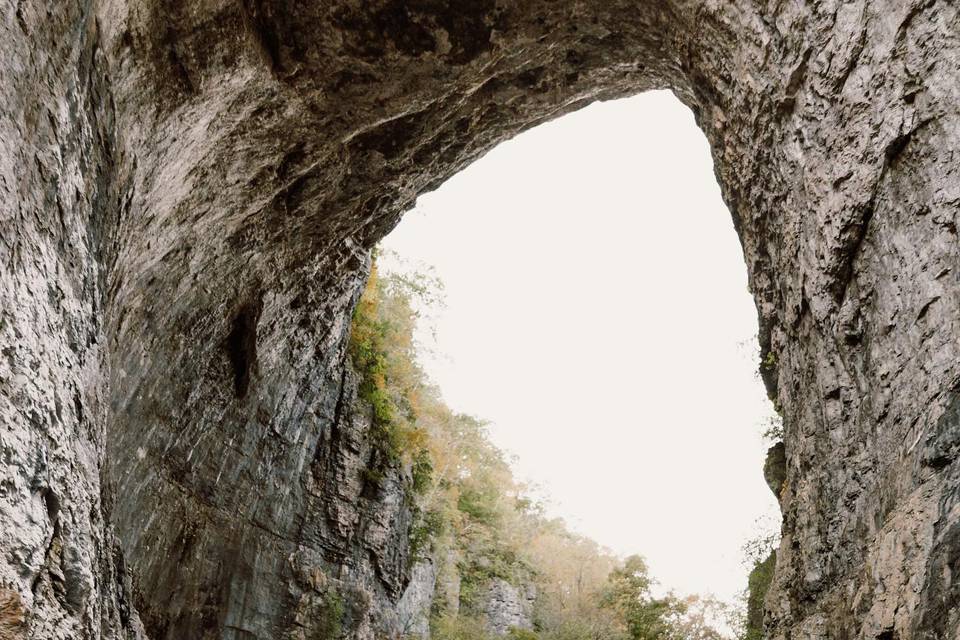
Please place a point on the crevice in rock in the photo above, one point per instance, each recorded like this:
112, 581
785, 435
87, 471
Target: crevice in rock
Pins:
242, 345
122, 581
796, 78
52, 504
894, 150
848, 272
264, 37
338, 409
178, 68
891, 155
57, 578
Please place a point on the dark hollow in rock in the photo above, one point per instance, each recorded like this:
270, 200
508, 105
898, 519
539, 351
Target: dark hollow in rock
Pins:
242, 346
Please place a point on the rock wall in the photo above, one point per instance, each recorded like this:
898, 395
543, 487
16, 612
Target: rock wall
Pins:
508, 607
189, 191
414, 607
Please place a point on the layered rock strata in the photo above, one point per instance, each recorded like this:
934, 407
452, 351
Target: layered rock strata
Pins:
189, 193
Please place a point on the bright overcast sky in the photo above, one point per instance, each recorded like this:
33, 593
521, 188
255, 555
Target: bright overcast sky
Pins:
598, 316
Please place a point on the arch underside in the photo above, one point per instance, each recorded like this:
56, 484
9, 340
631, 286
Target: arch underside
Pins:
190, 192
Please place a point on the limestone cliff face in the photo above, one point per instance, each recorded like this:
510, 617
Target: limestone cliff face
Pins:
189, 191
507, 607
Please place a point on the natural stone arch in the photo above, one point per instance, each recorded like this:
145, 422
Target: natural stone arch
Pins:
189, 194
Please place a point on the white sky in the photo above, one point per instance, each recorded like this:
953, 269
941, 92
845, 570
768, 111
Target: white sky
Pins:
598, 315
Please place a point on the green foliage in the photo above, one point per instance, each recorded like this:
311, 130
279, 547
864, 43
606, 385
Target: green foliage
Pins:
372, 476
645, 617
770, 361
470, 515
479, 504
427, 526
422, 471
758, 584
329, 619
486, 559
584, 627
448, 627
701, 619
761, 556
368, 353
381, 350
773, 430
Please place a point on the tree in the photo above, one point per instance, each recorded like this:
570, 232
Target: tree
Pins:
628, 594
706, 618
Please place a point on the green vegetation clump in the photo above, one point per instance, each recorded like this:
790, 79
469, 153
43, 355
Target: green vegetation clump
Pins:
770, 361
427, 527
472, 518
458, 627
368, 337
628, 594
334, 616
422, 472
478, 505
381, 351
758, 584
773, 430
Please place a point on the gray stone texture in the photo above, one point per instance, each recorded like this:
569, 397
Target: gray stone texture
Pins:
189, 192
507, 607
414, 607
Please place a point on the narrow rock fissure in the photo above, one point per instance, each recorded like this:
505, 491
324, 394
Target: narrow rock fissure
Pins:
242, 346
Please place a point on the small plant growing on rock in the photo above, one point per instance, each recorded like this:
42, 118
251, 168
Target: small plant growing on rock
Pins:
773, 429
770, 361
331, 617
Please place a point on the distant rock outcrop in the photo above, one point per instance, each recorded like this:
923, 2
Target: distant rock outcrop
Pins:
508, 607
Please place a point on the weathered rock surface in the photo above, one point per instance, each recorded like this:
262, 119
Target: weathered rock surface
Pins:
508, 607
775, 468
413, 608
189, 191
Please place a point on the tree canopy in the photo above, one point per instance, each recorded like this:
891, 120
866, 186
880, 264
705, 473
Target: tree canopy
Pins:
476, 522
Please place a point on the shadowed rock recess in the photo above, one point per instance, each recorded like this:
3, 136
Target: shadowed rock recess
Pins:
189, 194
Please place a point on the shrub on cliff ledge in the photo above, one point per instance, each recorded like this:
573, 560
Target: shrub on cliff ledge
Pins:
759, 583
381, 351
471, 517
